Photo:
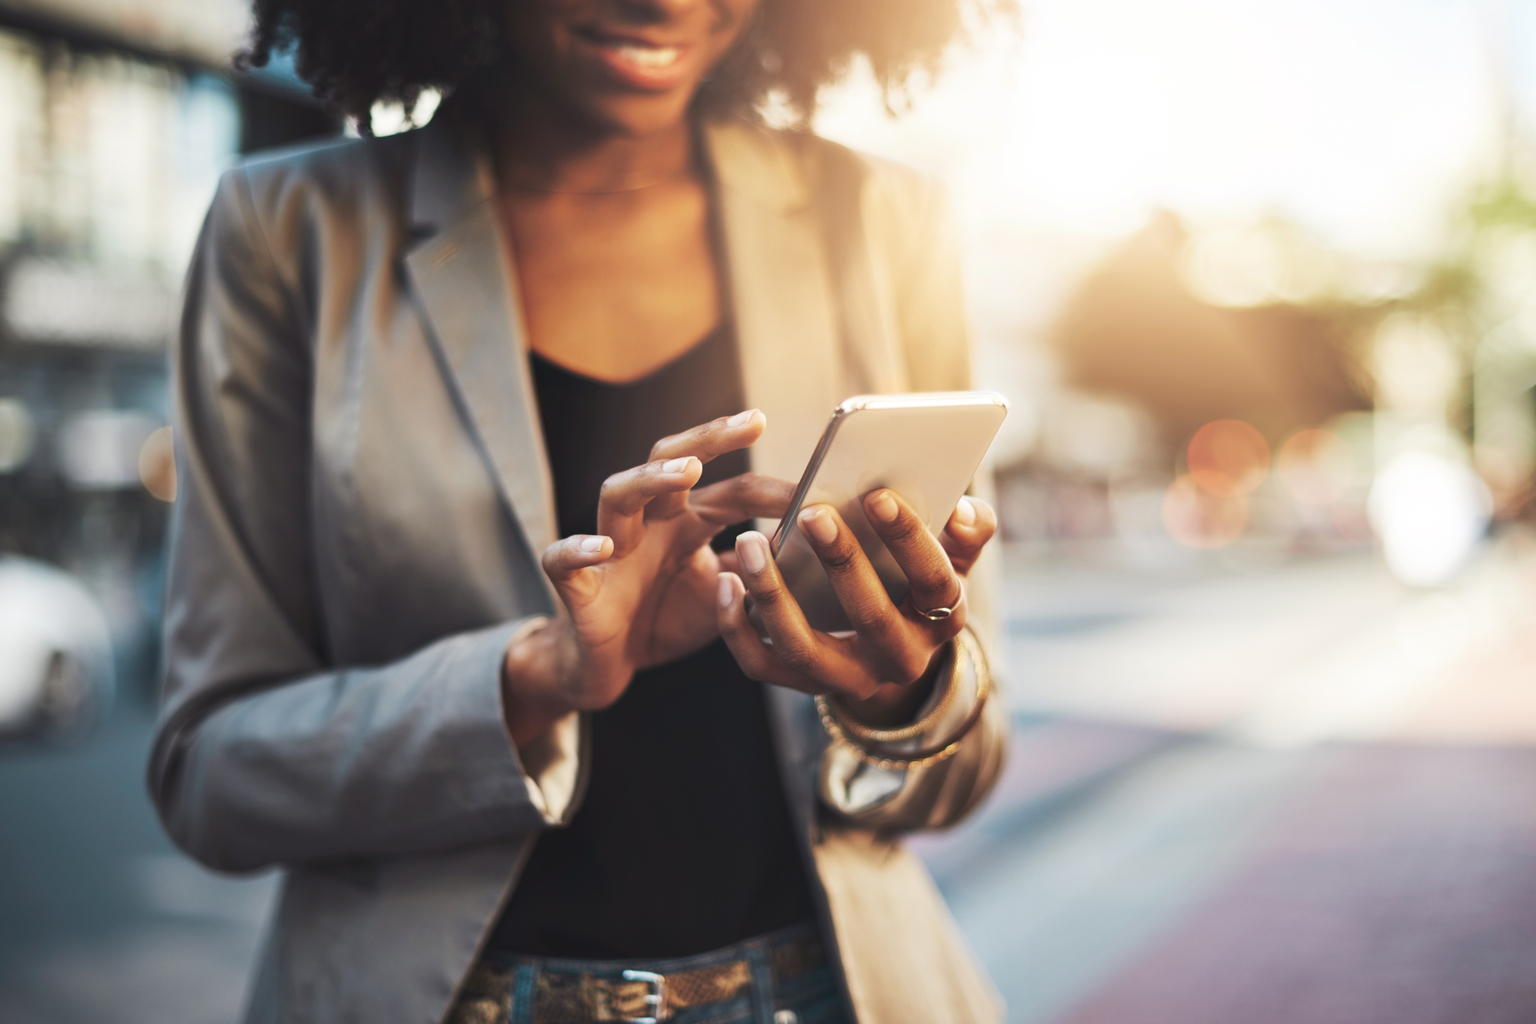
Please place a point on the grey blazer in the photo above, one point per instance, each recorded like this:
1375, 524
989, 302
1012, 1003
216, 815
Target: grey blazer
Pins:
363, 499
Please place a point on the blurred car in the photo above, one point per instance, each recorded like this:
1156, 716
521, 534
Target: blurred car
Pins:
56, 669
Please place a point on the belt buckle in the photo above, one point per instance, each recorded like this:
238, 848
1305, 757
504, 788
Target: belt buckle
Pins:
653, 998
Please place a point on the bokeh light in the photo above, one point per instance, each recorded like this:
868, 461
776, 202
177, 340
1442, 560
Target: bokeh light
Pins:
157, 465
18, 436
1315, 467
1228, 458
1430, 512
1198, 519
99, 450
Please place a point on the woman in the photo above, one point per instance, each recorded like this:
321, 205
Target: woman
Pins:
454, 635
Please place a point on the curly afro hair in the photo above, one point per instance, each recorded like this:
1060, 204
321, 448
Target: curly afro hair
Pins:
355, 53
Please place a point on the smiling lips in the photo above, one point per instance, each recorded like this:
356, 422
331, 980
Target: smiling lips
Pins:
638, 63
649, 57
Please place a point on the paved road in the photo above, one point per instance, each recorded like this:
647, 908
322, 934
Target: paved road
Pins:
1218, 882
101, 921
1289, 792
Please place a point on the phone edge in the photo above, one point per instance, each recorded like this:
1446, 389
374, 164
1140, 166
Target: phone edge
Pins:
786, 526
848, 407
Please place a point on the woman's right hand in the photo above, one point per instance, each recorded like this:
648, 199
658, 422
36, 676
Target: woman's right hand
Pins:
642, 590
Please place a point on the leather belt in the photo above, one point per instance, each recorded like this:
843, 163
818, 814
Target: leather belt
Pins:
561, 997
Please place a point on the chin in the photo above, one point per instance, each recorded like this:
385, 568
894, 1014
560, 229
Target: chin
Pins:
637, 115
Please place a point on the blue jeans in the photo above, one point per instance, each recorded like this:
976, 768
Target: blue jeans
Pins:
808, 996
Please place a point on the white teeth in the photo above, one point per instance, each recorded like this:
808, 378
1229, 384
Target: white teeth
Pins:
651, 57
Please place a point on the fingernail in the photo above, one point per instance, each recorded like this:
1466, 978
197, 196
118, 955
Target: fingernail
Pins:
740, 418
884, 507
753, 549
676, 465
819, 525
592, 545
727, 590
965, 512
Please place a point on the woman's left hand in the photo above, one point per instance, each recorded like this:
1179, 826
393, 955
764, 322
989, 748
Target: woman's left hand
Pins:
893, 648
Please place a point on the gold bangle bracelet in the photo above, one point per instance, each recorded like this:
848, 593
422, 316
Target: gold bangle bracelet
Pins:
869, 734
919, 758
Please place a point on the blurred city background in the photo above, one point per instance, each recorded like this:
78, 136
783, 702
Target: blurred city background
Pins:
1257, 279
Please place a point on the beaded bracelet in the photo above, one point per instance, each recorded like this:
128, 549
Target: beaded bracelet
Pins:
932, 755
869, 734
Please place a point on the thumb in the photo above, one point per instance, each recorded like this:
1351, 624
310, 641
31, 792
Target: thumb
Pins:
569, 563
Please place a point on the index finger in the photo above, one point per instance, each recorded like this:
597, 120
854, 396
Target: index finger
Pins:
708, 440
625, 497
705, 442
748, 496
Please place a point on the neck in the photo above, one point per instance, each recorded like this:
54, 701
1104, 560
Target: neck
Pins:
541, 147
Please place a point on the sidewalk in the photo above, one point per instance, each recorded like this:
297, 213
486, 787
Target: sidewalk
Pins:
1051, 764
1301, 795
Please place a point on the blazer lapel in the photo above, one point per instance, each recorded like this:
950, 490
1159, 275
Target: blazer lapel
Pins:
460, 271
791, 347
780, 288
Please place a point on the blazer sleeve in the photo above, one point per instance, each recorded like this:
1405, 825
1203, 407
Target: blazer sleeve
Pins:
264, 753
909, 227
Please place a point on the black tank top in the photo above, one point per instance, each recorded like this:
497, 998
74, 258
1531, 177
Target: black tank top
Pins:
683, 843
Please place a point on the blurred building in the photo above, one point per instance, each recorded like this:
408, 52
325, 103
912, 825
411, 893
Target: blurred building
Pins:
1135, 329
1146, 364
116, 119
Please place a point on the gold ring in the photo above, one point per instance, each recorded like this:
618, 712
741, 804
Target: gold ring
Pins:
942, 613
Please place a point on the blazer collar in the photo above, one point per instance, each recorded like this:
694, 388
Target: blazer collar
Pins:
461, 271
461, 275
780, 289
449, 178
755, 162
791, 351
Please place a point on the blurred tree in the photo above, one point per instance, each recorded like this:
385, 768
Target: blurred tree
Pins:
1482, 296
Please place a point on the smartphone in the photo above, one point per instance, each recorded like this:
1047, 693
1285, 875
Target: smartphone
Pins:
925, 447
